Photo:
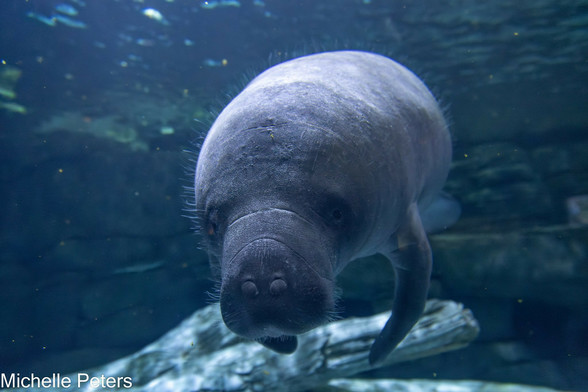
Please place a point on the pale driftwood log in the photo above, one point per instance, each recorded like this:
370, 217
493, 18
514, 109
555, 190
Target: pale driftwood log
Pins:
335, 350
201, 354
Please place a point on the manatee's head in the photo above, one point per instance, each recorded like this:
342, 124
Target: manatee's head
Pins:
276, 278
280, 206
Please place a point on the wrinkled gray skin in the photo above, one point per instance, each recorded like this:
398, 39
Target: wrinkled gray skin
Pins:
318, 161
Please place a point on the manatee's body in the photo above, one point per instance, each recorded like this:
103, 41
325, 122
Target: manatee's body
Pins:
318, 161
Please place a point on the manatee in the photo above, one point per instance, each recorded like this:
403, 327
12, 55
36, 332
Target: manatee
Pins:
321, 160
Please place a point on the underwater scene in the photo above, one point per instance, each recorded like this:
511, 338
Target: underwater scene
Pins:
138, 254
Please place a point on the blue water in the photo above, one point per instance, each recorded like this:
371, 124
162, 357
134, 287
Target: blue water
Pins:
103, 104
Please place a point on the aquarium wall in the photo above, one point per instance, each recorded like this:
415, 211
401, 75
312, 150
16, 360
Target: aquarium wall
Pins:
103, 107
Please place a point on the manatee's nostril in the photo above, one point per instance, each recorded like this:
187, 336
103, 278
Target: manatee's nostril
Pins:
249, 289
277, 287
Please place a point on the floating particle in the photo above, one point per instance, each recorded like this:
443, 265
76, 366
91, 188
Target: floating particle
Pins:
209, 5
76, 24
66, 9
154, 14
167, 130
49, 21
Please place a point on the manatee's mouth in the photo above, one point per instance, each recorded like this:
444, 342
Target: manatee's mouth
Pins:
253, 308
283, 344
272, 332
270, 292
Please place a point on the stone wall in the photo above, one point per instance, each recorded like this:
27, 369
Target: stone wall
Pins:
97, 259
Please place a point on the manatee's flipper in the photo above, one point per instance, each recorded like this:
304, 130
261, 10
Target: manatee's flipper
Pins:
283, 345
440, 214
412, 263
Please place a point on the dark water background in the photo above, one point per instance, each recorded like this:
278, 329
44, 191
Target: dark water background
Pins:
96, 259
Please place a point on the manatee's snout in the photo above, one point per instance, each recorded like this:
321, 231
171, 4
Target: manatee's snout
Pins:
269, 290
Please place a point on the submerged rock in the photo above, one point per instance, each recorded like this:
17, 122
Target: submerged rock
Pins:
202, 354
362, 385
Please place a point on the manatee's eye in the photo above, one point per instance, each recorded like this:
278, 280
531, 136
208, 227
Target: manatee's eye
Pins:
337, 215
211, 229
211, 223
334, 210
